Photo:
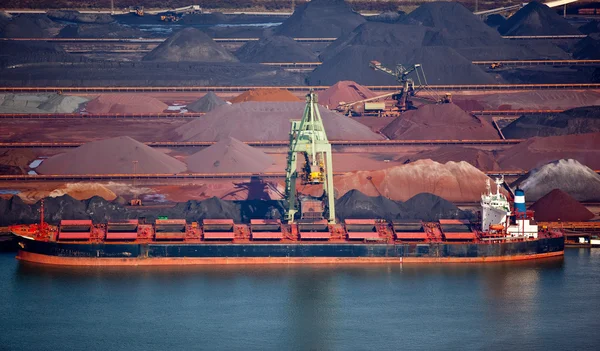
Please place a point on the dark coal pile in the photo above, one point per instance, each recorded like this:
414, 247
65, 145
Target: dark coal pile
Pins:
430, 207
570, 176
352, 63
14, 53
240, 121
275, 49
206, 103
111, 156
442, 65
560, 206
423, 206
587, 49
549, 75
374, 34
387, 17
205, 18
15, 211
592, 26
356, 205
78, 17
190, 45
29, 26
457, 24
495, 20
229, 155
574, 121
537, 19
321, 19
483, 160
123, 74
443, 122
109, 30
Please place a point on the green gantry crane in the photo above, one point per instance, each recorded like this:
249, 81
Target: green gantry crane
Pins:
308, 137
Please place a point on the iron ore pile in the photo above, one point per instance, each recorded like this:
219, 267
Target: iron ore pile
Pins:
453, 143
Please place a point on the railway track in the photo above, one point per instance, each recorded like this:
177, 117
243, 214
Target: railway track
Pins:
283, 143
302, 89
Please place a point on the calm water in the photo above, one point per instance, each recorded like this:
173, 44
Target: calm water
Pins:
543, 305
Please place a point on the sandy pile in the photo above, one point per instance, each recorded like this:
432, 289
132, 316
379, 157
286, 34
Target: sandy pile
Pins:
344, 91
42, 103
15, 161
206, 103
125, 103
560, 206
574, 121
321, 19
444, 121
483, 160
264, 121
229, 155
570, 176
454, 181
266, 94
190, 45
275, 48
537, 19
78, 191
115, 155
536, 152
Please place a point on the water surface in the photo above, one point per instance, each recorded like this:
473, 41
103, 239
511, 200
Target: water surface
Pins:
539, 305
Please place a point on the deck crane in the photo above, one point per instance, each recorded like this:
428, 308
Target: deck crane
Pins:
308, 137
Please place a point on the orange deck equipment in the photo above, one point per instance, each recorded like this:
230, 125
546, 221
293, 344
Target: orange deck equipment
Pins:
266, 229
218, 229
122, 230
361, 229
75, 229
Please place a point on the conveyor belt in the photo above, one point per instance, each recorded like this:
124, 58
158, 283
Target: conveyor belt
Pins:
301, 88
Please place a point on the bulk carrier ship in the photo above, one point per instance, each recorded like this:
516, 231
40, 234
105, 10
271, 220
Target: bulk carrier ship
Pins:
308, 234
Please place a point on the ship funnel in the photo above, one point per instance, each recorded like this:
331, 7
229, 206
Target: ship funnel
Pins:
520, 201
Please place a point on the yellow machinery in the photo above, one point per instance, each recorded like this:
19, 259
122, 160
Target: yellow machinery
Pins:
308, 137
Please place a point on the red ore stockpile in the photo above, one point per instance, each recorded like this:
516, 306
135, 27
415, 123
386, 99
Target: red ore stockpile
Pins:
344, 91
538, 151
443, 122
560, 206
125, 103
483, 160
112, 156
266, 121
229, 155
266, 94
